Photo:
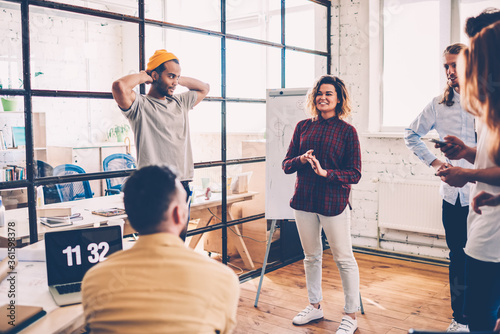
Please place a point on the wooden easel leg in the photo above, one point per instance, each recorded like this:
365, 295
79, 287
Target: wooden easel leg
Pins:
264, 265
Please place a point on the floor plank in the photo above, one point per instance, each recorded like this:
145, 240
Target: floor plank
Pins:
397, 295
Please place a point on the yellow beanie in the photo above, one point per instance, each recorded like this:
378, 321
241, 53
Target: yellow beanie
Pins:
159, 57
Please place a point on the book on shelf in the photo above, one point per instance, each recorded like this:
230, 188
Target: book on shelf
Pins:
3, 144
18, 136
14, 172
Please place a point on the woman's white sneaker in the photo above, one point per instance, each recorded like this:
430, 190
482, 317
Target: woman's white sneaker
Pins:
310, 313
457, 327
348, 325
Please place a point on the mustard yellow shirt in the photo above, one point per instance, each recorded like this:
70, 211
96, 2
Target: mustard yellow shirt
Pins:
160, 286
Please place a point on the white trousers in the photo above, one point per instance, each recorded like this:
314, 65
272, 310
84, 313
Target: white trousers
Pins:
338, 233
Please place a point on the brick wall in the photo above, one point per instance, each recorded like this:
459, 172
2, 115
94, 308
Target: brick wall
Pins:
384, 157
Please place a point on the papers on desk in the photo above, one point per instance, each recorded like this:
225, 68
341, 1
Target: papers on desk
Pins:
59, 221
30, 255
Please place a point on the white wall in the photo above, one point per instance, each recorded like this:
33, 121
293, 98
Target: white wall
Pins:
383, 157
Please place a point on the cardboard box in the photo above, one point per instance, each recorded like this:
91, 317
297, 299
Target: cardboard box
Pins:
53, 211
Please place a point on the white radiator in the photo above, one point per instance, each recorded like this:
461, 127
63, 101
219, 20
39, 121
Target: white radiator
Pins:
410, 206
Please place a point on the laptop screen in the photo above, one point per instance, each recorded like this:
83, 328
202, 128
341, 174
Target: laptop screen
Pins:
70, 253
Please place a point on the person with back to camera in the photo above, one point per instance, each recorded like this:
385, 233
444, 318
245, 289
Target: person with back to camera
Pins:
325, 153
472, 27
159, 285
160, 119
447, 117
479, 73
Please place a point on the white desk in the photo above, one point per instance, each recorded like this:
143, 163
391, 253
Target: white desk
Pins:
84, 206
32, 289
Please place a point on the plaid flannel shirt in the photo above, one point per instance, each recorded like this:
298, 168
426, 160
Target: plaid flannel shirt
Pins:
336, 146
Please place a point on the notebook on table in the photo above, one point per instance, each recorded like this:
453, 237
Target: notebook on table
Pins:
20, 318
70, 253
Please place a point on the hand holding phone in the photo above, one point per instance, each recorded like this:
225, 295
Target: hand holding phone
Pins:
439, 142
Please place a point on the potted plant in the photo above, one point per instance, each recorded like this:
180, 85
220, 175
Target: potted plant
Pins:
10, 103
119, 132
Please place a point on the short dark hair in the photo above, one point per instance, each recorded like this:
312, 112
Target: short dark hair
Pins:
147, 195
161, 67
473, 25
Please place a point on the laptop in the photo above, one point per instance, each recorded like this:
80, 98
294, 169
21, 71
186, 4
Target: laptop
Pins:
70, 253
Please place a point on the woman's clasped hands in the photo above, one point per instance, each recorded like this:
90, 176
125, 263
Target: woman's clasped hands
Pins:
316, 166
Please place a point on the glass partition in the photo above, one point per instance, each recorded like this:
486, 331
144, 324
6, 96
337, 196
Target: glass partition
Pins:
76, 55
251, 69
305, 24
126, 7
11, 61
311, 68
195, 13
205, 126
255, 19
78, 52
199, 55
246, 123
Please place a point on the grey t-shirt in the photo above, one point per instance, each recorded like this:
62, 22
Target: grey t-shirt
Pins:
161, 129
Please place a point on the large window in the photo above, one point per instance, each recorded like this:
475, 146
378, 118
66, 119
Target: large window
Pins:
412, 72
72, 51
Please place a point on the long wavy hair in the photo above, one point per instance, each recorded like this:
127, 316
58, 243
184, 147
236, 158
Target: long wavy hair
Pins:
343, 107
449, 92
480, 74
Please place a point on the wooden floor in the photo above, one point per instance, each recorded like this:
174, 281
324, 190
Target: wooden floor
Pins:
397, 295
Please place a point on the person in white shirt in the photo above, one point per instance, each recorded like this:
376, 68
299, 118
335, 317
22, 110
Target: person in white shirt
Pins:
445, 115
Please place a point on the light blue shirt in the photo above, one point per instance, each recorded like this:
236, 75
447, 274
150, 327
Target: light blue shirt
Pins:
453, 121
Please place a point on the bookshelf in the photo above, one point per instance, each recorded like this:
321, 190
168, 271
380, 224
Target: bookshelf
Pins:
16, 156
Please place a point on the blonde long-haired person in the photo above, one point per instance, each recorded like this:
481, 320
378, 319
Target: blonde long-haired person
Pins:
479, 73
325, 153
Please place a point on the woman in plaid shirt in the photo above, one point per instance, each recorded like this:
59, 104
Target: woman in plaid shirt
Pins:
325, 153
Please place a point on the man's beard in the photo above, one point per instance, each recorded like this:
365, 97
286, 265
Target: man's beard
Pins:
162, 89
184, 233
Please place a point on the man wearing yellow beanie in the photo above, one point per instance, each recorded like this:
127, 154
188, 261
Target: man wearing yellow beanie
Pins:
160, 119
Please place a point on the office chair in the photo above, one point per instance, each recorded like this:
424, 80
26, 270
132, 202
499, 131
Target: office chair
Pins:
117, 161
74, 190
50, 193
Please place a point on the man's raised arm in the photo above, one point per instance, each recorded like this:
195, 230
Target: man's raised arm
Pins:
122, 89
195, 85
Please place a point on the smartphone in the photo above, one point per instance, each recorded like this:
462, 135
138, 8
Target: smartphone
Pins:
438, 142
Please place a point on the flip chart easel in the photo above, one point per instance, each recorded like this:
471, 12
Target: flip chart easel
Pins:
284, 109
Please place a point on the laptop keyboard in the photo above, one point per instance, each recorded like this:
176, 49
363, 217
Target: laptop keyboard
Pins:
69, 288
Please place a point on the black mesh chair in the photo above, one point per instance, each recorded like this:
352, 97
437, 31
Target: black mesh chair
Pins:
50, 193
